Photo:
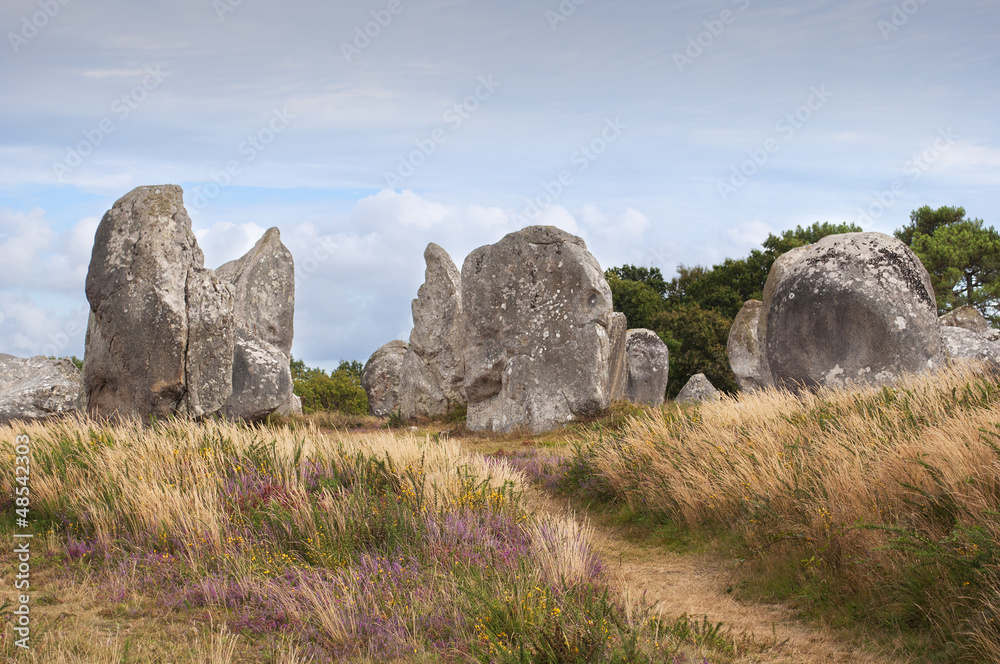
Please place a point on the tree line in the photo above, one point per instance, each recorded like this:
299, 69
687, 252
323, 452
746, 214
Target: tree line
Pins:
693, 312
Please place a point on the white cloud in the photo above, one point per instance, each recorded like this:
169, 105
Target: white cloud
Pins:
36, 257
748, 235
225, 241
978, 163
28, 328
24, 238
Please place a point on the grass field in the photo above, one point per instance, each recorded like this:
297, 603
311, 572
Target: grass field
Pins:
876, 509
220, 542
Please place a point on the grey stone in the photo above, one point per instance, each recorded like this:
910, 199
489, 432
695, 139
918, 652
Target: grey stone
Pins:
969, 318
851, 308
648, 361
962, 343
698, 388
37, 388
537, 346
211, 342
778, 270
380, 378
263, 283
262, 379
168, 337
433, 371
291, 407
617, 363
136, 285
744, 349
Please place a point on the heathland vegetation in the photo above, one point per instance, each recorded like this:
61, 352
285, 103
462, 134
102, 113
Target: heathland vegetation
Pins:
875, 509
221, 542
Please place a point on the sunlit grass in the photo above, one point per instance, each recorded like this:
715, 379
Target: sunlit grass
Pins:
880, 503
358, 546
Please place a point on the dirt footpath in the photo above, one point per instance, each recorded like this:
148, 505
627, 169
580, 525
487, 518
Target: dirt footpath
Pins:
695, 584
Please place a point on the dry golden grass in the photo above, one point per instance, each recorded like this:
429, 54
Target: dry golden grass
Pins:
889, 496
562, 545
164, 481
816, 460
131, 490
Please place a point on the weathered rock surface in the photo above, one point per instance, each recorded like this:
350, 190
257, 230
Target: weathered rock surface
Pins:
37, 388
211, 332
744, 350
778, 270
261, 379
969, 318
698, 388
618, 362
648, 361
381, 376
137, 338
263, 282
537, 346
851, 308
962, 343
433, 370
166, 336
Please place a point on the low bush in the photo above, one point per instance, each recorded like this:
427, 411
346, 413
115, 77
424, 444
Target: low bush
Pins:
339, 390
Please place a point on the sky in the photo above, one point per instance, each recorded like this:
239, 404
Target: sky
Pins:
662, 133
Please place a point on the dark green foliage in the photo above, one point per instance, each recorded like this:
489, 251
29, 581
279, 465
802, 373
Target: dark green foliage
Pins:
961, 255
699, 339
722, 288
340, 390
651, 276
925, 221
638, 301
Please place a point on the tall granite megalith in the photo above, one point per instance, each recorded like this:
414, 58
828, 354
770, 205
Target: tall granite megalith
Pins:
167, 336
538, 313
433, 369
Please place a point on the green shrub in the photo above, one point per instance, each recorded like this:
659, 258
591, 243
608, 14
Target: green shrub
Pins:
339, 390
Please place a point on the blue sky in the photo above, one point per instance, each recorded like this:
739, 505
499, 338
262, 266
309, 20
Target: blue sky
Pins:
663, 133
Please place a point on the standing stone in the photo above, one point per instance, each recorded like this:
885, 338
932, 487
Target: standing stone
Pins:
648, 361
263, 282
262, 379
970, 319
744, 350
962, 343
697, 389
211, 342
851, 308
433, 370
538, 309
37, 388
168, 337
778, 270
380, 378
136, 285
618, 362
